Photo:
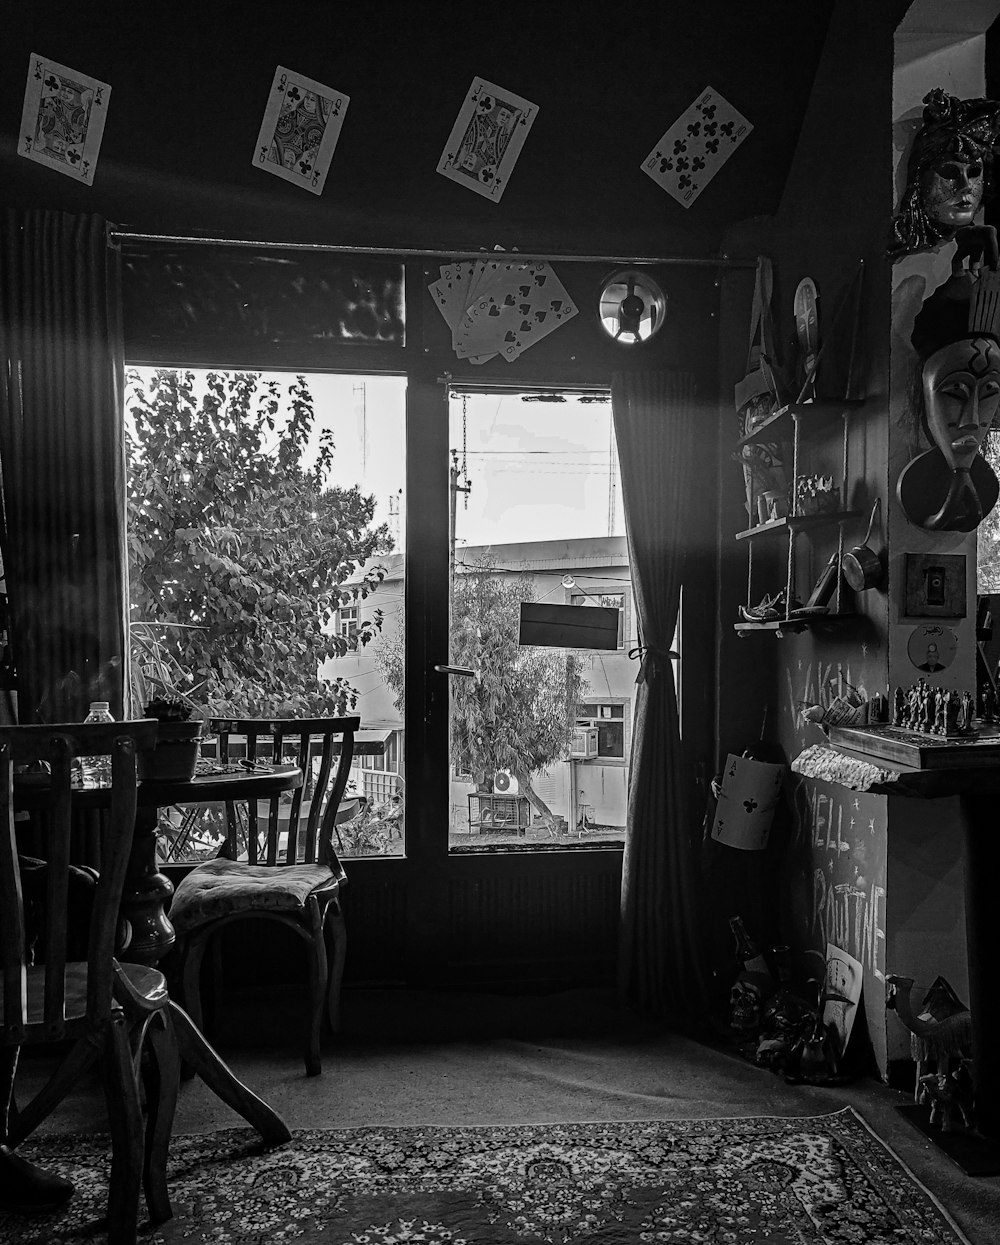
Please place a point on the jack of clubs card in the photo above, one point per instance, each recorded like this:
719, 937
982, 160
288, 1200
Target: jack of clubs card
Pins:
62, 121
486, 139
696, 146
301, 125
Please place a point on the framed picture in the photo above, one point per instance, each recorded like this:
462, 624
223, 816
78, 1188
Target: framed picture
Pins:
935, 586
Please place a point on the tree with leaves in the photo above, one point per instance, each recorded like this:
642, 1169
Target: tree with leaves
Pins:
519, 712
239, 549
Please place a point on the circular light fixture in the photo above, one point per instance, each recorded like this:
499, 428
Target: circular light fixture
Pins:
632, 306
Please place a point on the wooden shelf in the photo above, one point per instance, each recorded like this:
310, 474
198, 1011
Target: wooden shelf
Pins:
822, 411
793, 624
797, 522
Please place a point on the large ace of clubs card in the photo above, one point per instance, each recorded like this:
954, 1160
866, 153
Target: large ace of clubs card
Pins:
486, 139
301, 125
696, 146
62, 121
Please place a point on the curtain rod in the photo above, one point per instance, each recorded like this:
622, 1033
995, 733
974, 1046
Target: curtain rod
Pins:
723, 261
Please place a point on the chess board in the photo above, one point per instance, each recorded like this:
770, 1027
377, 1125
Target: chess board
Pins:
914, 749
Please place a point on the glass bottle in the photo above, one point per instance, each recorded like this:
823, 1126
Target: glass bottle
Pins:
747, 951
97, 769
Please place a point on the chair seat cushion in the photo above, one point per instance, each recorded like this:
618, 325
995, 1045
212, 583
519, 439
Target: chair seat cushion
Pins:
224, 887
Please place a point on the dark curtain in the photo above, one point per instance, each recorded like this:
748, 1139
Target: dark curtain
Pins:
661, 967
63, 461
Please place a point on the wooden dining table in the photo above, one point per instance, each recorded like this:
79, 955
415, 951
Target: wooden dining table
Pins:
147, 934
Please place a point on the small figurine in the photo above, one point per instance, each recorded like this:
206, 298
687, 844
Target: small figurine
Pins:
950, 1096
898, 706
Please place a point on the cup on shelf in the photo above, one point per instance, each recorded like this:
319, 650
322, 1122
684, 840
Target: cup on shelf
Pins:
777, 504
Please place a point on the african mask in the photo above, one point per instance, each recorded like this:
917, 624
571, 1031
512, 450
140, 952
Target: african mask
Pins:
951, 487
961, 383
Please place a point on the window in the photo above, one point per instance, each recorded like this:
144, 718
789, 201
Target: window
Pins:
536, 517
249, 493
608, 721
347, 621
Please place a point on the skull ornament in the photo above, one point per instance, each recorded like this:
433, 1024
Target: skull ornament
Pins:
746, 999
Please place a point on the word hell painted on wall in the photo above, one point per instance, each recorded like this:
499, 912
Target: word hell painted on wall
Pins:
843, 833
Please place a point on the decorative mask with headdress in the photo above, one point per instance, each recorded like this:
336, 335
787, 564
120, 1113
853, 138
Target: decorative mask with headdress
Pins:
952, 487
949, 171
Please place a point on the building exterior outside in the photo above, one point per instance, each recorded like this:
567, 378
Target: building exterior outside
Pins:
589, 788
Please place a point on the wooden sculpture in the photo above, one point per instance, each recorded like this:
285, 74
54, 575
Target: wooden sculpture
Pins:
941, 1035
951, 487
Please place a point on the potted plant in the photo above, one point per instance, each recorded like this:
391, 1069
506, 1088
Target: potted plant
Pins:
178, 741
158, 689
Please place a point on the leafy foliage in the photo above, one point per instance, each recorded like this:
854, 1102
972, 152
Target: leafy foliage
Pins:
238, 548
519, 712
989, 530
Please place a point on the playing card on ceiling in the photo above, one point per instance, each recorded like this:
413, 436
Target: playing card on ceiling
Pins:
301, 125
62, 121
486, 139
696, 146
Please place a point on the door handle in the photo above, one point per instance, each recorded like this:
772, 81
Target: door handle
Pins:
464, 671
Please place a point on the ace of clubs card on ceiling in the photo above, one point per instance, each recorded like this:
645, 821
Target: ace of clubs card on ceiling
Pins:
486, 139
696, 146
302, 122
62, 122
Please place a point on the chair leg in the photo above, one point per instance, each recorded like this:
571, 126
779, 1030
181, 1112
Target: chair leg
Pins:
190, 978
125, 1123
201, 1056
161, 1073
65, 1078
337, 929
317, 986
8, 1071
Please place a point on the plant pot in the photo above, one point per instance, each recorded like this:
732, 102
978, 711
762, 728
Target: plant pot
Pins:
175, 756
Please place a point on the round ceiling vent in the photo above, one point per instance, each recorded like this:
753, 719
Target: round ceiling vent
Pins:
632, 306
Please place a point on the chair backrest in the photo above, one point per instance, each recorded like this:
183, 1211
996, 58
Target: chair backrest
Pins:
323, 748
57, 746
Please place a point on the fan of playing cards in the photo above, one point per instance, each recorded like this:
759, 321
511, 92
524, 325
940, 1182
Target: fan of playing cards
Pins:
500, 306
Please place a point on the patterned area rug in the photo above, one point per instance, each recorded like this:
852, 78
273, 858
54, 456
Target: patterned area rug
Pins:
818, 1180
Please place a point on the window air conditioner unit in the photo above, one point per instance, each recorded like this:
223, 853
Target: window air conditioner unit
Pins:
583, 745
504, 783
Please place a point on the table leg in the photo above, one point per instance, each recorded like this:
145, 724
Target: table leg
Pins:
196, 1051
147, 934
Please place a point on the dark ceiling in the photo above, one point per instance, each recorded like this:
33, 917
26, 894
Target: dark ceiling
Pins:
189, 85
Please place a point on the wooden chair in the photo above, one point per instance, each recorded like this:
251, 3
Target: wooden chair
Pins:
282, 867
115, 1015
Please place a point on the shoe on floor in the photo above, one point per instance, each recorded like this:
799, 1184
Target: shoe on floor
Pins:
26, 1189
